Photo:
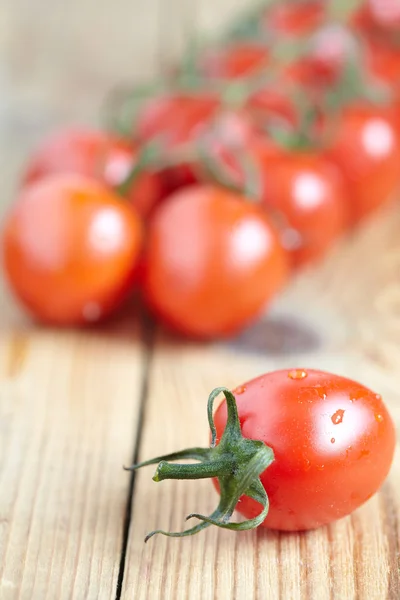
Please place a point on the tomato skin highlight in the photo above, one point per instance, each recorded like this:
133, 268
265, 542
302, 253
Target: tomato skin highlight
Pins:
366, 148
212, 262
71, 249
308, 193
98, 155
333, 441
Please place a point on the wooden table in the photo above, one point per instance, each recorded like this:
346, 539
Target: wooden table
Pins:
76, 406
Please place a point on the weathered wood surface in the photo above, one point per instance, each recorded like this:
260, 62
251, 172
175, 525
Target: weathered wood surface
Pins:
74, 407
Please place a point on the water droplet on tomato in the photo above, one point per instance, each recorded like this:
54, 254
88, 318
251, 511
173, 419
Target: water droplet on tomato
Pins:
378, 418
321, 467
307, 464
337, 418
321, 391
378, 397
297, 374
333, 440
357, 395
240, 390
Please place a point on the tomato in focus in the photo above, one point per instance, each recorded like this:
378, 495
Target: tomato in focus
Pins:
365, 146
333, 441
71, 249
98, 155
212, 263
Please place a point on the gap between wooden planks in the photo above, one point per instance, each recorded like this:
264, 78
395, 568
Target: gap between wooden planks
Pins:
351, 304
69, 411
69, 408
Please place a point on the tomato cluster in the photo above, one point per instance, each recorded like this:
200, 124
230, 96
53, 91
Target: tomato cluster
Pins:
248, 162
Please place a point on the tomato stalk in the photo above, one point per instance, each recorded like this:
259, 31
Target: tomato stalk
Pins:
237, 463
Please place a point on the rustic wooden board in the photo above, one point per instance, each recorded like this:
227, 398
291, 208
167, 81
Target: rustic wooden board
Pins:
357, 557
70, 403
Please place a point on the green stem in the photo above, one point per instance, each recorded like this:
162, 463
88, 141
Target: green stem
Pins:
237, 463
203, 470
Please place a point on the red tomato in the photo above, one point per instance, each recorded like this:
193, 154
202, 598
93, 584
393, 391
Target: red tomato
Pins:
330, 48
295, 18
366, 147
383, 62
94, 154
71, 248
333, 441
234, 61
309, 195
213, 261
384, 13
176, 121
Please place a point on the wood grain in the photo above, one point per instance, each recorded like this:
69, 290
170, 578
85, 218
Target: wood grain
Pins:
70, 403
68, 416
356, 558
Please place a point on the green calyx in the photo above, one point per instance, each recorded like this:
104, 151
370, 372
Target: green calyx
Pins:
237, 463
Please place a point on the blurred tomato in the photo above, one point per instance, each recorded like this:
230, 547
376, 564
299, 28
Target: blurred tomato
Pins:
71, 249
383, 62
309, 196
304, 193
365, 145
295, 18
384, 13
213, 261
176, 121
234, 61
94, 154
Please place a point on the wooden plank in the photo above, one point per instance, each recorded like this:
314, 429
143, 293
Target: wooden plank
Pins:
68, 417
327, 319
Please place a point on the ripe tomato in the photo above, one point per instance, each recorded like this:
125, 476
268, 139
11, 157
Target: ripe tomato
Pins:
98, 155
384, 13
176, 121
234, 61
309, 195
333, 441
383, 62
365, 146
71, 248
295, 18
212, 262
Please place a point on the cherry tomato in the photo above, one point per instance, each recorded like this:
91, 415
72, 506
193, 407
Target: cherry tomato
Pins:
94, 154
308, 195
71, 248
383, 62
295, 18
176, 121
365, 146
213, 262
234, 61
333, 441
384, 13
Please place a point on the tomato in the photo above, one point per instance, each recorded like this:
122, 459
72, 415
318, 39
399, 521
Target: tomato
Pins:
94, 154
213, 262
302, 191
291, 450
333, 441
234, 61
383, 62
71, 248
309, 196
384, 13
295, 18
176, 121
365, 146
